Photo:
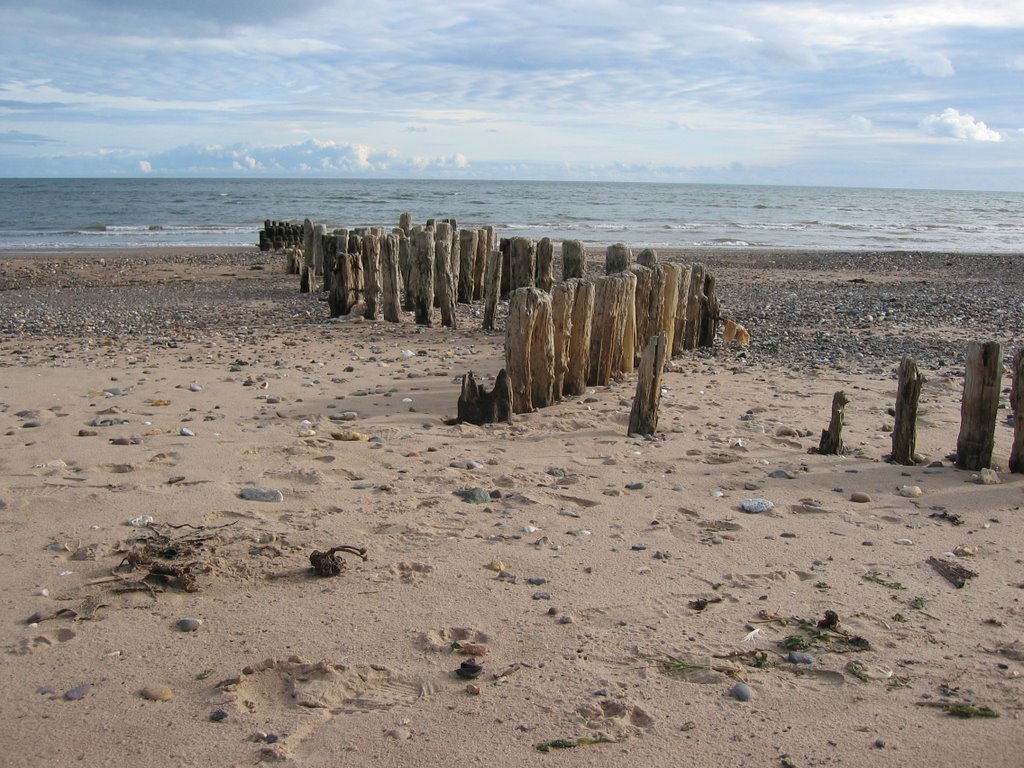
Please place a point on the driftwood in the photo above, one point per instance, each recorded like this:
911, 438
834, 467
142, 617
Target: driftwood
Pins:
1017, 409
908, 393
952, 572
832, 438
573, 259
617, 258
643, 418
530, 350
329, 564
978, 409
480, 406
580, 326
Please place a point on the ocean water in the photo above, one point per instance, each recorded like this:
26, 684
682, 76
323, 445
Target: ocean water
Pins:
104, 213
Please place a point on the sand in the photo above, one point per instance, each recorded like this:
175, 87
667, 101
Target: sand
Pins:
615, 585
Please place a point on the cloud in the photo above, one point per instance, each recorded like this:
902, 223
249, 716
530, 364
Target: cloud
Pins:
859, 123
145, 166
18, 137
931, 65
951, 124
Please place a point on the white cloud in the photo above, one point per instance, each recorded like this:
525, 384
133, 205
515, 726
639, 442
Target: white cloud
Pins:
860, 124
931, 65
145, 166
952, 124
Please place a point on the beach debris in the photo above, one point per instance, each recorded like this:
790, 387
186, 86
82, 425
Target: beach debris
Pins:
469, 669
469, 649
547, 746
140, 521
329, 564
988, 477
349, 436
954, 573
876, 577
703, 602
796, 657
830, 621
753, 635
942, 514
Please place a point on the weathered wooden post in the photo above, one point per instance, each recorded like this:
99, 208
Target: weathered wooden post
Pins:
831, 443
505, 247
479, 406
405, 267
1017, 407
670, 300
480, 263
308, 230
523, 261
405, 223
563, 298
643, 418
530, 350
648, 257
330, 257
371, 276
710, 308
421, 276
908, 394
355, 262
979, 406
650, 297
627, 355
455, 261
444, 285
613, 298
617, 258
492, 288
574, 259
545, 257
467, 258
679, 337
579, 342
344, 293
392, 307
694, 301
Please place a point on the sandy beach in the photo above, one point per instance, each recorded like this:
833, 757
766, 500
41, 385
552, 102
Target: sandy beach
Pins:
189, 412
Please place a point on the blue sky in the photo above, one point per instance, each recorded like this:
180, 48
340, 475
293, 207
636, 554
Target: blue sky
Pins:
865, 93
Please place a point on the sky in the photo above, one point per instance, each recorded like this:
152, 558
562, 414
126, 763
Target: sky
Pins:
877, 93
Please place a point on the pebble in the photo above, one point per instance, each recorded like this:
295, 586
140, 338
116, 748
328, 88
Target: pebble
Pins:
756, 506
186, 432
860, 497
989, 477
910, 491
638, 547
782, 474
157, 692
140, 521
536, 581
189, 624
634, 486
261, 494
541, 595
77, 693
795, 657
218, 715
741, 692
473, 495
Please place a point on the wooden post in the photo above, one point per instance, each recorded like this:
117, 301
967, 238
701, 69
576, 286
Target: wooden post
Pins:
421, 276
579, 342
643, 418
480, 263
574, 259
617, 258
371, 276
613, 296
344, 291
670, 298
710, 308
480, 406
390, 245
405, 223
563, 299
694, 299
978, 409
405, 267
455, 260
505, 247
530, 350
1017, 407
443, 281
545, 255
679, 338
467, 258
645, 321
648, 257
355, 264
330, 257
492, 288
908, 393
523, 261
832, 438
627, 355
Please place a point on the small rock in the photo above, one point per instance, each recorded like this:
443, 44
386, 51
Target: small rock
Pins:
186, 432
860, 497
218, 715
189, 624
565, 620
473, 690
473, 495
261, 494
741, 692
157, 692
77, 693
140, 521
795, 657
401, 733
638, 547
782, 474
756, 506
536, 581
469, 669
910, 491
541, 595
634, 486
989, 477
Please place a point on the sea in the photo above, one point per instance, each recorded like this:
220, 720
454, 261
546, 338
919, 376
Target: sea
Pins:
139, 213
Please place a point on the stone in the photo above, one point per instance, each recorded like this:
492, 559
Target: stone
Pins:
989, 477
910, 491
261, 494
189, 624
756, 506
859, 497
795, 657
473, 495
157, 692
77, 693
741, 692
782, 474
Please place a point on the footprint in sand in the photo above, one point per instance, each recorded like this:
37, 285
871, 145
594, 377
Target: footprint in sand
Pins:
615, 719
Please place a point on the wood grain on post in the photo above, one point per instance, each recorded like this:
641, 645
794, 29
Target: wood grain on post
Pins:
670, 299
492, 288
545, 257
355, 261
613, 296
405, 268
563, 299
371, 276
645, 321
1017, 408
421, 276
480, 264
344, 291
710, 308
908, 394
389, 250
679, 338
455, 260
505, 248
405, 223
523, 262
579, 342
978, 409
574, 259
444, 283
530, 350
643, 418
467, 258
319, 233
617, 258
627, 356
307, 256
831, 443
694, 302
330, 249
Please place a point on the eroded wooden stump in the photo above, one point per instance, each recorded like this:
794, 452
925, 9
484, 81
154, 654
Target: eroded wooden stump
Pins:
530, 350
643, 418
979, 407
908, 393
1017, 407
831, 443
478, 405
